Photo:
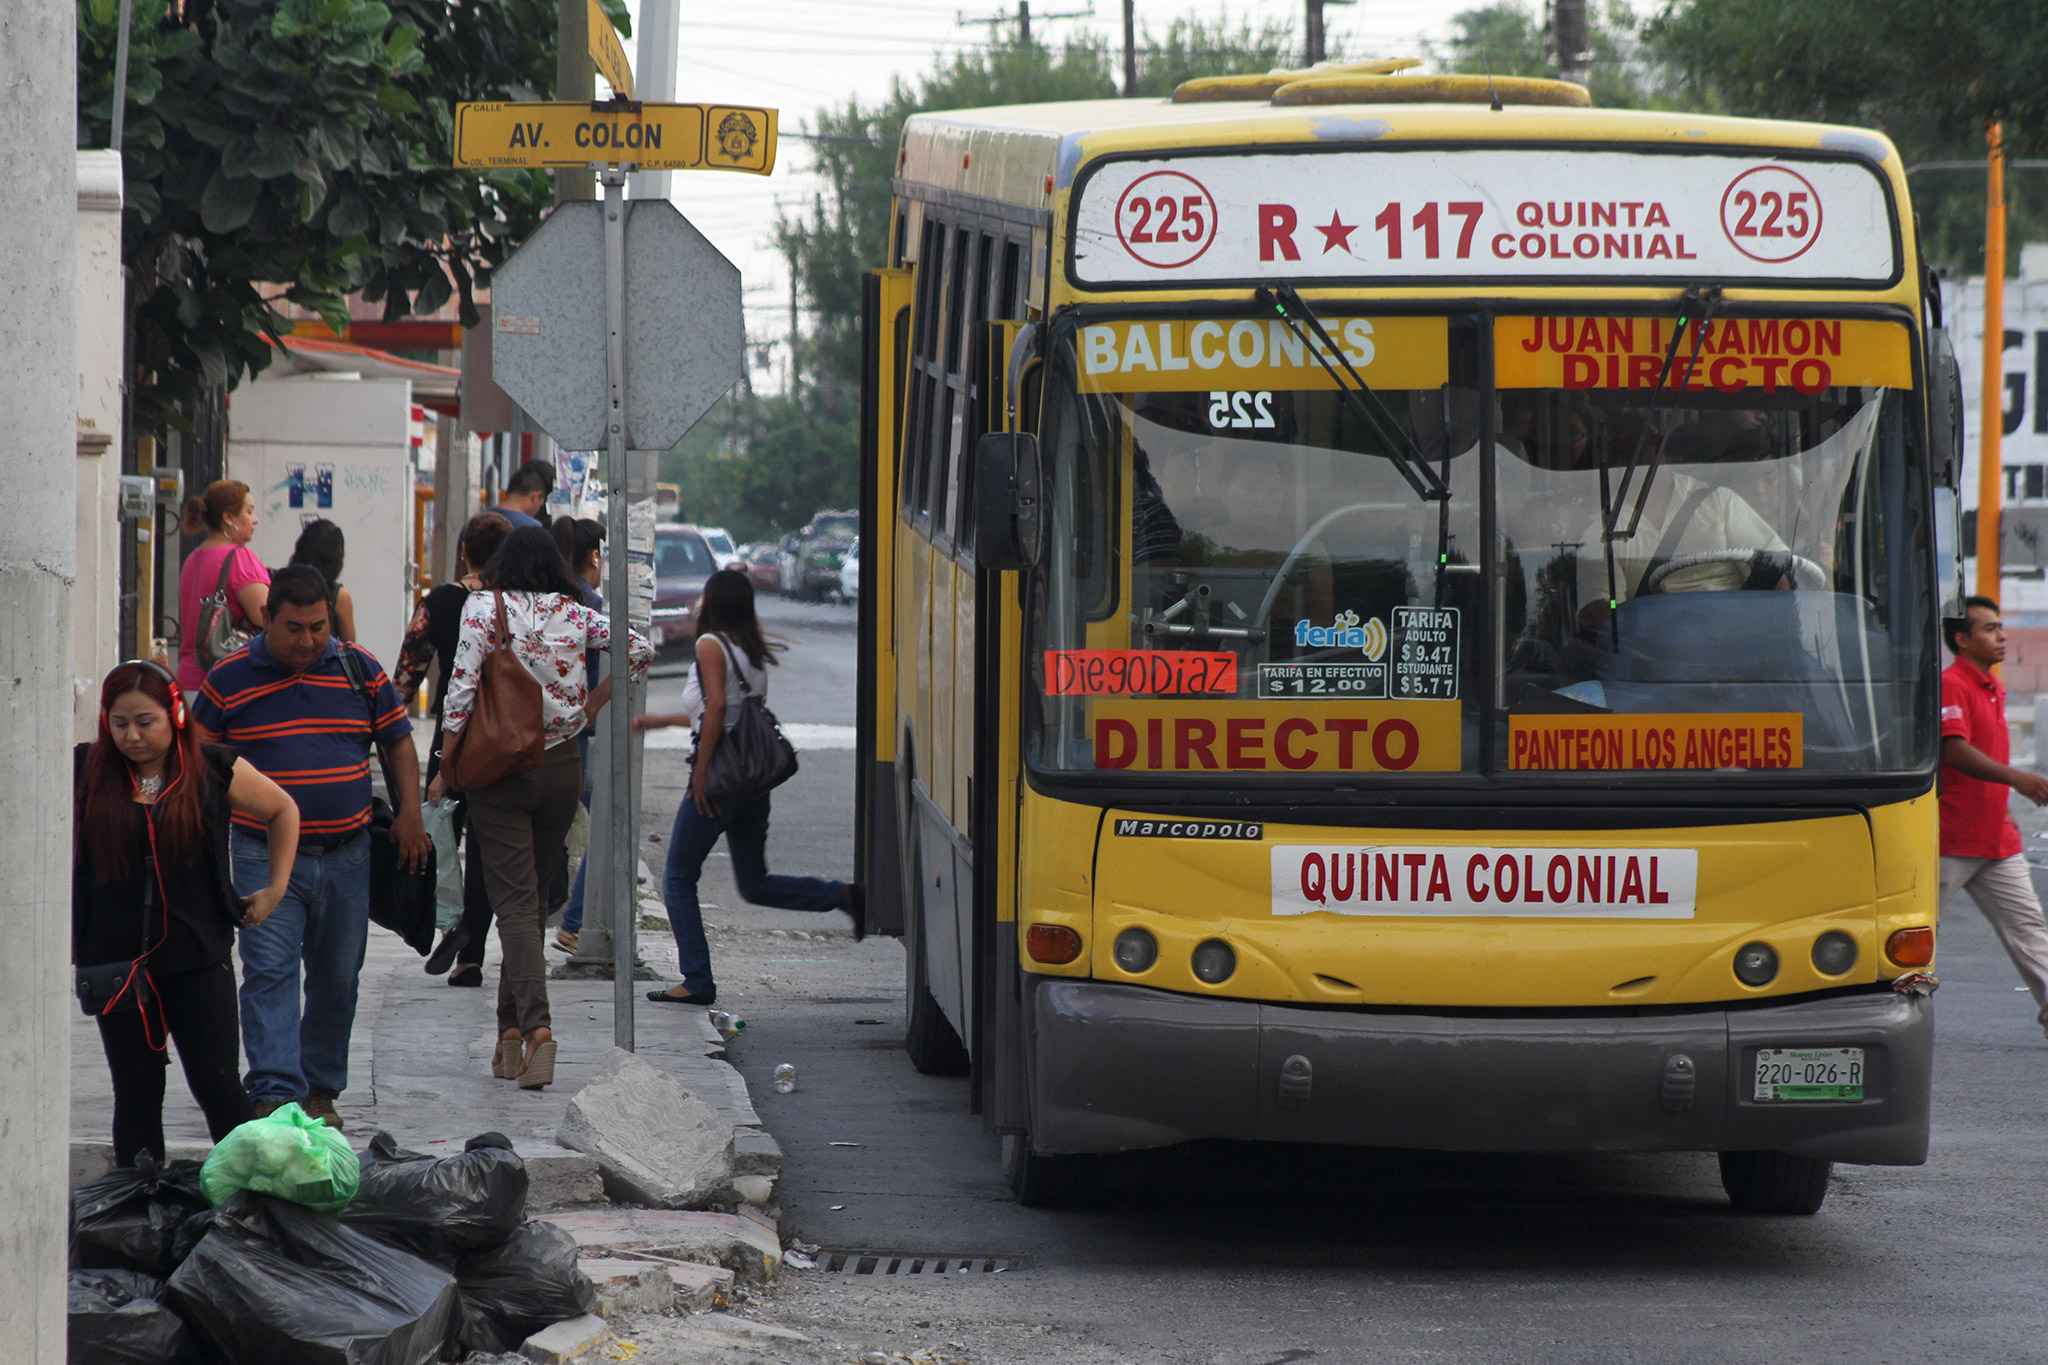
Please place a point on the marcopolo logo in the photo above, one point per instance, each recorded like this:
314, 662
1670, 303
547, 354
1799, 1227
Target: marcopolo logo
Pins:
1188, 829
1346, 631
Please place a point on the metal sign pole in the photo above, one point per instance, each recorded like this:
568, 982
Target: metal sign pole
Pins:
623, 885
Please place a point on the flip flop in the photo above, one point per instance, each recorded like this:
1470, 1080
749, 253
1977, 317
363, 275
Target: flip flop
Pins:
566, 941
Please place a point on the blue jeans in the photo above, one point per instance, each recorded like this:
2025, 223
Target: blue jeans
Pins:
323, 923
572, 913
745, 827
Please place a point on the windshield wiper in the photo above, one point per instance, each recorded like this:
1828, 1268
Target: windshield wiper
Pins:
1407, 455
1703, 299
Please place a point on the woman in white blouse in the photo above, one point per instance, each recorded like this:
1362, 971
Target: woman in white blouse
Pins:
524, 818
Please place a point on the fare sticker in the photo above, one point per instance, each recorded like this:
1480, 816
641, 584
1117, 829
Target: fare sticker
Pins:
1774, 739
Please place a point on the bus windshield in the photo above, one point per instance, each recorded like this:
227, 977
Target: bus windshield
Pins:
1730, 573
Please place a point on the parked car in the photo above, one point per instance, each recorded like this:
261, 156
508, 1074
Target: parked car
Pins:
723, 553
849, 573
787, 567
760, 562
682, 561
816, 554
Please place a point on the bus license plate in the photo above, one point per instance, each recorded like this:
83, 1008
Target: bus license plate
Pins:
1809, 1073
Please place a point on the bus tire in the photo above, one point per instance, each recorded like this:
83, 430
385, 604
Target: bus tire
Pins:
928, 1036
1039, 1181
1775, 1182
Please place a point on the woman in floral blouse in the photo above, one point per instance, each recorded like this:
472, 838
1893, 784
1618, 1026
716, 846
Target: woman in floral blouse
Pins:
522, 820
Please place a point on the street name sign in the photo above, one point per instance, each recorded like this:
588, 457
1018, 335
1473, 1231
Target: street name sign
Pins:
654, 137
609, 53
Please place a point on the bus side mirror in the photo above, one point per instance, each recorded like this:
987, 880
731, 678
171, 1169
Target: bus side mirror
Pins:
1944, 411
1007, 528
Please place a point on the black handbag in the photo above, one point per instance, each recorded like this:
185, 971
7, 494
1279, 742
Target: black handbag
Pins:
116, 987
400, 901
752, 757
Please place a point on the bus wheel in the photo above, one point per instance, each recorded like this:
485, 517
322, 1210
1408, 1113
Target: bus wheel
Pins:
1049, 1182
928, 1036
1775, 1182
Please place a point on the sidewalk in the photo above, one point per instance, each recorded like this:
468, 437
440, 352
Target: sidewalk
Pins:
420, 1062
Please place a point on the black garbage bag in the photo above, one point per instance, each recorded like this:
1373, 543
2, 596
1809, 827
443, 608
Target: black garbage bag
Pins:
189, 1234
440, 1206
118, 1317
277, 1281
514, 1290
129, 1219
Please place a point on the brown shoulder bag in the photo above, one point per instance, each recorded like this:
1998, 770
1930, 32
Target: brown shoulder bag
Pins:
507, 730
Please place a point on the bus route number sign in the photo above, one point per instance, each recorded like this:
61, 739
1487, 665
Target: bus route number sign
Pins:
1425, 653
1166, 219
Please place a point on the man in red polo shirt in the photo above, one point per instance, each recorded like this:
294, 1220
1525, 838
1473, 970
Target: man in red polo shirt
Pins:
1980, 845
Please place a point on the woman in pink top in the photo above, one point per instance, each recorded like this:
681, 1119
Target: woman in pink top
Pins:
227, 513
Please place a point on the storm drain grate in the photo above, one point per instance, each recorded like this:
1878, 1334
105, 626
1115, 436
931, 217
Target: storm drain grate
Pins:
854, 1261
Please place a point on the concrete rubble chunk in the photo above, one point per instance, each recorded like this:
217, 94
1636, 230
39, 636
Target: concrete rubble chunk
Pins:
566, 1342
741, 1245
755, 1152
557, 1178
623, 1283
656, 1144
699, 1288
723, 1329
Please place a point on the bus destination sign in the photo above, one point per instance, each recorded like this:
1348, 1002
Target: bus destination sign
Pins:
1532, 213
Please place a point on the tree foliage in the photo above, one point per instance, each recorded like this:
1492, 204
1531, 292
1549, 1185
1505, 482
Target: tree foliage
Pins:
1930, 76
1509, 38
301, 150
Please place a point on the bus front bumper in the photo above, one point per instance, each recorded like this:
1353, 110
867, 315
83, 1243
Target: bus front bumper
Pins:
1116, 1068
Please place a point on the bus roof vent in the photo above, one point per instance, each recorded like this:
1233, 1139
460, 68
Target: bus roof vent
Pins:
1363, 88
1261, 87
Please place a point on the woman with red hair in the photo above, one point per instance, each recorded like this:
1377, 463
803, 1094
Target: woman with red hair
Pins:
152, 893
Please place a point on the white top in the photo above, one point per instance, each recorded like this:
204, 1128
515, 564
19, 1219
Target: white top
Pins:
735, 665
549, 634
1720, 521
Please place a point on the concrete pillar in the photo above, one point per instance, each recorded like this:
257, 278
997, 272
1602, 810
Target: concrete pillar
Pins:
38, 387
96, 602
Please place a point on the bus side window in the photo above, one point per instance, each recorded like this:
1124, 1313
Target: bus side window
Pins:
974, 357
924, 380
952, 402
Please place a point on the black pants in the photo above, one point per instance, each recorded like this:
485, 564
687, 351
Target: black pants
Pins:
476, 898
199, 1007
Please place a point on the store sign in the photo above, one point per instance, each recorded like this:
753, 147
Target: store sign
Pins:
1539, 213
1724, 355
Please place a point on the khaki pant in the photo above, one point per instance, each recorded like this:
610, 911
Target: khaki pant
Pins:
2004, 890
522, 821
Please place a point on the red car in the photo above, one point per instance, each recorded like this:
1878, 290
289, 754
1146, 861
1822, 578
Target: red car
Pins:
682, 561
760, 562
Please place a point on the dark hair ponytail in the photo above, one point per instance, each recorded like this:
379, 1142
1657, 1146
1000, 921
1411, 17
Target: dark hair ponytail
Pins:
727, 608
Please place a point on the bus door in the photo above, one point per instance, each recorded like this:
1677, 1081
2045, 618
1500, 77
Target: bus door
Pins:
877, 836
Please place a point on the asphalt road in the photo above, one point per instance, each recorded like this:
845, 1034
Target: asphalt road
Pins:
1264, 1254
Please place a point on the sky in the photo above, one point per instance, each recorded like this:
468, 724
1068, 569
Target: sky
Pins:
801, 56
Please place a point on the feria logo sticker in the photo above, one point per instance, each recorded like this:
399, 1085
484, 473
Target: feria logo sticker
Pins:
1166, 219
1771, 214
1345, 631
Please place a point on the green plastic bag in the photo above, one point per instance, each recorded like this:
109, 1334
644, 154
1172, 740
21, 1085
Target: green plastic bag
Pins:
288, 1155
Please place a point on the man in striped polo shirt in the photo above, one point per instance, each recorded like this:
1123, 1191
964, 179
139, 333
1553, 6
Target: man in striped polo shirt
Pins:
287, 703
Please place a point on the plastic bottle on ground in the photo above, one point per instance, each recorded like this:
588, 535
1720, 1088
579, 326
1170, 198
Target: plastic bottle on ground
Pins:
785, 1078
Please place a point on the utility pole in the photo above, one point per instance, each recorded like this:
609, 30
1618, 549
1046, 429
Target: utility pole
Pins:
1316, 48
1991, 397
1568, 19
575, 79
38, 548
1130, 48
1023, 18
655, 73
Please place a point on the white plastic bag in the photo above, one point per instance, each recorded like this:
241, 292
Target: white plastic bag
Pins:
440, 821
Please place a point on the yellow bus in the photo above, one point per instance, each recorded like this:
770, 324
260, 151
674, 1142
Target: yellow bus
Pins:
1403, 611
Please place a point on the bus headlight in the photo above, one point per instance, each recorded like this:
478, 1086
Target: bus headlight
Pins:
1756, 964
1135, 951
1214, 961
1834, 953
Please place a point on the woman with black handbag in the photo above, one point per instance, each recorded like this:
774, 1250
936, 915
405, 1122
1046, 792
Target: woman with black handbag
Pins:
729, 686
153, 903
